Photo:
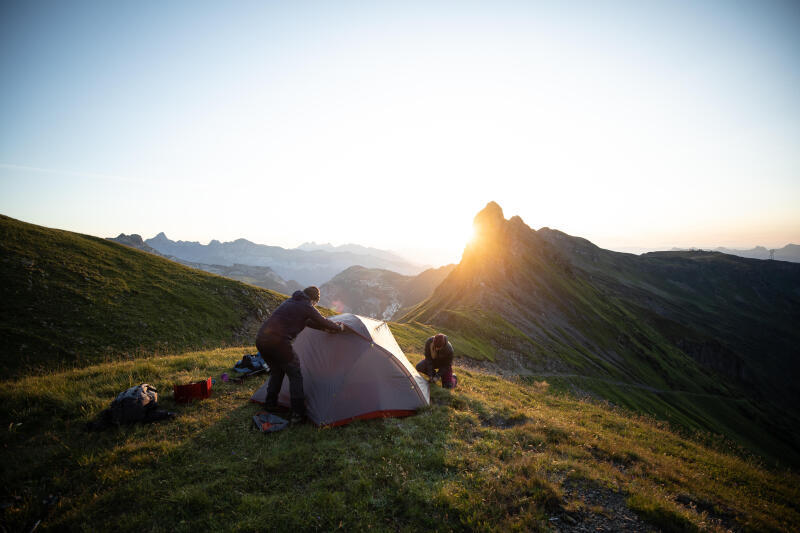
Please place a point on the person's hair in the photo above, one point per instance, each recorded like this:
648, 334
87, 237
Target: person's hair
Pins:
312, 292
439, 340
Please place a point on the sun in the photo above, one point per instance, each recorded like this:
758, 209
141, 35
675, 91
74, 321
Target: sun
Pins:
471, 236
462, 238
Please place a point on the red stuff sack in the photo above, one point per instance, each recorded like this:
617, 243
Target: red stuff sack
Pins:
193, 391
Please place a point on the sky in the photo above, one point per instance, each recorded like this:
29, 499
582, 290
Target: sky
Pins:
636, 125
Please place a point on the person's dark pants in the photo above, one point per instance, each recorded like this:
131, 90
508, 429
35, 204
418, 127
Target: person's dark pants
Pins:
428, 367
283, 361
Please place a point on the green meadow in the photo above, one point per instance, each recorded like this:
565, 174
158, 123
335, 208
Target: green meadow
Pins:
492, 455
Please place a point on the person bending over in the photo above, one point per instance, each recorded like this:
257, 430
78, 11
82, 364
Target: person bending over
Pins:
274, 342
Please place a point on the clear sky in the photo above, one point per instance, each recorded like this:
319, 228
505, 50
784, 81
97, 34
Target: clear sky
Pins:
390, 124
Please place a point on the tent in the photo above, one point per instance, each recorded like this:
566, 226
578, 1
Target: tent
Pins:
359, 374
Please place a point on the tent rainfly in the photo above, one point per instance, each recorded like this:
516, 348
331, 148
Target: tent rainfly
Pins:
356, 375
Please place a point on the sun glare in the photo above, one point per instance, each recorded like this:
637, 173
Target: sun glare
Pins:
471, 236
463, 238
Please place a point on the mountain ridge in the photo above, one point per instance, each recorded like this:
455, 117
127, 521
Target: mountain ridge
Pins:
312, 267
790, 252
704, 323
260, 276
379, 293
311, 246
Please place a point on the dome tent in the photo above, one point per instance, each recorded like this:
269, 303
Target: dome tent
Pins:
359, 374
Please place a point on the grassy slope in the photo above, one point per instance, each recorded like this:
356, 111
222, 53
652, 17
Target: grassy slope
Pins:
495, 454
653, 378
71, 298
595, 333
697, 407
492, 455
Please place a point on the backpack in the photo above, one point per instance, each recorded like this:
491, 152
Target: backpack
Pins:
137, 404
134, 405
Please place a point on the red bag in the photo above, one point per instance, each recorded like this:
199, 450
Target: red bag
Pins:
193, 391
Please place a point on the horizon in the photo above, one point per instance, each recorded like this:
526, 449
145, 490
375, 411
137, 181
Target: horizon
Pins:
420, 259
637, 127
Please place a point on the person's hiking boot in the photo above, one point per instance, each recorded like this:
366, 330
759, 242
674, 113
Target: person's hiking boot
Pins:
297, 419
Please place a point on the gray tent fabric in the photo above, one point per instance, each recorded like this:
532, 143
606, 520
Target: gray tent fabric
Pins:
359, 374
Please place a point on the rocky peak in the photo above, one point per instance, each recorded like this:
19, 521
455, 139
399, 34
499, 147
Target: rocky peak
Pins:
484, 260
488, 220
133, 239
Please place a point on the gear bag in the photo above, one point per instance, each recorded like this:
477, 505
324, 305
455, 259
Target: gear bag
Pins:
135, 404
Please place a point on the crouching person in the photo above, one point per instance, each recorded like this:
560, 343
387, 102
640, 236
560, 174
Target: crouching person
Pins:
439, 358
274, 342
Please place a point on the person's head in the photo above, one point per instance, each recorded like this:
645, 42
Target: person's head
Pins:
439, 340
313, 294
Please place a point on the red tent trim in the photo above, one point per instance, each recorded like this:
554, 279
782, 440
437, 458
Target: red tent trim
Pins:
386, 413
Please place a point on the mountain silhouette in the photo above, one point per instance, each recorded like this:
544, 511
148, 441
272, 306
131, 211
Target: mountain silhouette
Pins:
706, 339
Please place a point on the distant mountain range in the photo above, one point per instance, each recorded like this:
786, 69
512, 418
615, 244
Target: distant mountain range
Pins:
706, 340
254, 275
307, 267
790, 252
379, 293
373, 292
357, 249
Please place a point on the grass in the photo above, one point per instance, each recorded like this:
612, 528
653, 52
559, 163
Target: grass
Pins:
493, 455
716, 420
478, 333
71, 299
619, 335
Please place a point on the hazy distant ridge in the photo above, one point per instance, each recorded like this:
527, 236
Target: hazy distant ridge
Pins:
790, 252
259, 276
305, 266
351, 248
380, 293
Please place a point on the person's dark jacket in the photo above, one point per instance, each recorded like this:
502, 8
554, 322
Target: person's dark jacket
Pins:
444, 356
289, 319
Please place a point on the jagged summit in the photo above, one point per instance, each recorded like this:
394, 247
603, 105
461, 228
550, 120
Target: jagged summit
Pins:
553, 303
488, 223
496, 249
134, 241
133, 238
492, 212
